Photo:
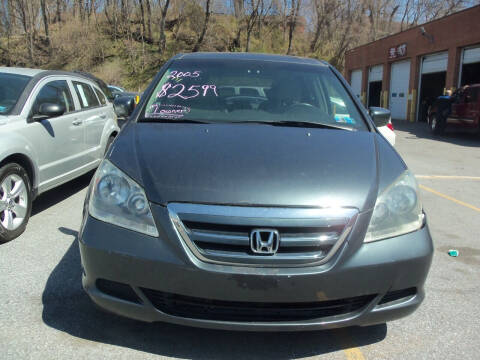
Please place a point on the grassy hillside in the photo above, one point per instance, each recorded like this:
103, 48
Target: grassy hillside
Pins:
125, 57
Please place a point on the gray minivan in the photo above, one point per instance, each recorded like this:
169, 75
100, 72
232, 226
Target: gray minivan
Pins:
271, 211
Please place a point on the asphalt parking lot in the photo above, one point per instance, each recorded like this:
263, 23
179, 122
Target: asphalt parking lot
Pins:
44, 313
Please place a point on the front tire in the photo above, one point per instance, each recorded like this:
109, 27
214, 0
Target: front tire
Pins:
15, 201
437, 124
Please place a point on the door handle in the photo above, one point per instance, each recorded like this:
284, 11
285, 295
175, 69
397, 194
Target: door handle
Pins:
103, 116
77, 122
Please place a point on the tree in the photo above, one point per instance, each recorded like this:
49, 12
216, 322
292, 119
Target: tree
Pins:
323, 10
251, 20
28, 11
239, 12
162, 40
142, 15
149, 18
58, 11
292, 23
45, 21
238, 8
204, 28
419, 11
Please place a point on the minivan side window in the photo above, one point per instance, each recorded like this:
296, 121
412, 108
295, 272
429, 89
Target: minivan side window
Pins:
55, 92
86, 95
100, 96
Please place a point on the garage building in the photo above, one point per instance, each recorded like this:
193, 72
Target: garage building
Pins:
406, 71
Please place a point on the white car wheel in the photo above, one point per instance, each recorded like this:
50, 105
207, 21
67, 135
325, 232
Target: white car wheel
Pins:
15, 201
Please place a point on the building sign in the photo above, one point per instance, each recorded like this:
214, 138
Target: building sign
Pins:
397, 51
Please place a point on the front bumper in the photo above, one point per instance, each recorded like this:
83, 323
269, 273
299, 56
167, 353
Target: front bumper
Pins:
160, 265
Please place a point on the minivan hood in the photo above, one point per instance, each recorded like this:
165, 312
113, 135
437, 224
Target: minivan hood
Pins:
250, 164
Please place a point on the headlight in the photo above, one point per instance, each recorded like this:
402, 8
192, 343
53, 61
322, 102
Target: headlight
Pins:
119, 200
398, 210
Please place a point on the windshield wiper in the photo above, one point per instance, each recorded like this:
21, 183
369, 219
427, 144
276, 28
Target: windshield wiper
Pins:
165, 120
292, 123
310, 124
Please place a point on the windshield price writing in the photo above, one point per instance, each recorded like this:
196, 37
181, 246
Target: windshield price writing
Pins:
176, 75
180, 90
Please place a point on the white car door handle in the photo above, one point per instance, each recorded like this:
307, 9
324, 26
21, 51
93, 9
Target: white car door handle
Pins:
103, 116
77, 122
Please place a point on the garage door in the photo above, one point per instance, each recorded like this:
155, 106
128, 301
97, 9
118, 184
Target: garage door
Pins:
356, 82
375, 73
434, 63
399, 79
470, 66
471, 55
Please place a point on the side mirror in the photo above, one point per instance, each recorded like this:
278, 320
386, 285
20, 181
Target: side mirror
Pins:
47, 110
51, 110
380, 116
124, 106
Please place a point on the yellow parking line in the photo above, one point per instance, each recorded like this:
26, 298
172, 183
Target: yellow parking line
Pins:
353, 354
348, 343
450, 198
451, 177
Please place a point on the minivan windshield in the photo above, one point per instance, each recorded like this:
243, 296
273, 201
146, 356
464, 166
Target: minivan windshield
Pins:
11, 87
210, 90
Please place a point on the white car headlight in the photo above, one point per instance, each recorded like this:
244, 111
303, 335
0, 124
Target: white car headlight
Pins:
398, 210
119, 200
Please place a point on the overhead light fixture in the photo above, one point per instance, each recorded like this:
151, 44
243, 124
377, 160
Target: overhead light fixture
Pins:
427, 35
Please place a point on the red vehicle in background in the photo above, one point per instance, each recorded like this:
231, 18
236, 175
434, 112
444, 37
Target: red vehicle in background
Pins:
461, 110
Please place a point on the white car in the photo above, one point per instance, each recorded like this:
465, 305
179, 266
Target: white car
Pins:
54, 126
388, 132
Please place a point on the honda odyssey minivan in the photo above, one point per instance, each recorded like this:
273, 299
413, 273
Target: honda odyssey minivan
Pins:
259, 210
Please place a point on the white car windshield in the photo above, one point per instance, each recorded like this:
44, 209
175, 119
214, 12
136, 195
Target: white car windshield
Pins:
11, 87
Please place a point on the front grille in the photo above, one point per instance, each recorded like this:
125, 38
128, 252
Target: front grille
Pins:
221, 234
206, 309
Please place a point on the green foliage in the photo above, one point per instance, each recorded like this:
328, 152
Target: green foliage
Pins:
121, 54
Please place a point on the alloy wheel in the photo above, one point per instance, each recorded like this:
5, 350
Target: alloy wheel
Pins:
13, 202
